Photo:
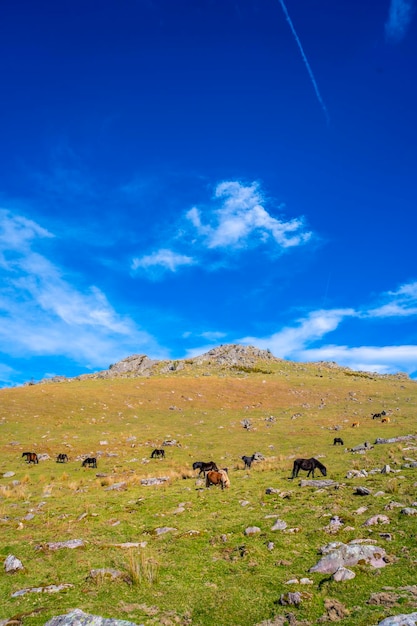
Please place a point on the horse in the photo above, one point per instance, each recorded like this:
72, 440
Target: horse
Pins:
337, 440
62, 458
205, 467
89, 462
248, 460
31, 457
355, 425
219, 477
308, 465
385, 420
158, 453
378, 415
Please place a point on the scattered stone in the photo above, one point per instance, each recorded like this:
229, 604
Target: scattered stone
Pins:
116, 487
131, 544
12, 564
362, 491
109, 574
47, 589
279, 525
395, 439
357, 473
377, 519
244, 502
270, 545
334, 525
43, 457
252, 530
408, 511
79, 618
362, 509
342, 573
386, 469
154, 481
8, 474
164, 530
71, 544
319, 483
290, 599
306, 581
338, 555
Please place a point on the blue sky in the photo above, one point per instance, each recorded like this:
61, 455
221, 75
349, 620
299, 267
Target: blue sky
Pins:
178, 175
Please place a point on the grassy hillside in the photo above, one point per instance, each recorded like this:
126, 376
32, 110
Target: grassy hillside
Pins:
204, 571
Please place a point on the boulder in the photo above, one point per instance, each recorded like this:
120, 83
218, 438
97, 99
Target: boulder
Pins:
409, 619
79, 618
347, 555
12, 564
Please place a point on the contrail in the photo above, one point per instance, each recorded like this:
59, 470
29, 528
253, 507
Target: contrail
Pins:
306, 63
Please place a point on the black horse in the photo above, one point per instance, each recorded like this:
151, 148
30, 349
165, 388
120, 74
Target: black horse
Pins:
205, 467
31, 457
158, 453
62, 458
308, 465
248, 460
337, 440
91, 461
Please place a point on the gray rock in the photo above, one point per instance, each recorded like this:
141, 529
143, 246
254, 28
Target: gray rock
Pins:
318, 483
164, 530
279, 525
116, 487
377, 519
71, 544
154, 481
109, 574
408, 511
12, 564
347, 555
252, 530
47, 589
79, 618
342, 573
362, 491
8, 474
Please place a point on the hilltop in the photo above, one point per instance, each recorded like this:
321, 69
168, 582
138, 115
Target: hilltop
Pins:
223, 359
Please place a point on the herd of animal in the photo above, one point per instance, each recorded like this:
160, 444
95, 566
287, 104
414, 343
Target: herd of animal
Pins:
212, 474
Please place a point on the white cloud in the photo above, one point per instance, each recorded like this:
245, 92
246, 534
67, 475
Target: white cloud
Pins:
401, 303
380, 359
164, 259
241, 220
289, 341
400, 15
43, 314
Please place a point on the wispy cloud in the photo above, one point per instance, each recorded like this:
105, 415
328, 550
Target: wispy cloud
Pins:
399, 303
44, 314
164, 259
288, 342
242, 220
401, 13
234, 221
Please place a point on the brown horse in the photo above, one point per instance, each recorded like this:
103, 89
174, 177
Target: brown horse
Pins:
218, 478
62, 458
31, 457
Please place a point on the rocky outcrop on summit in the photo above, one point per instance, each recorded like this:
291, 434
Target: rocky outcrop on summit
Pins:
230, 356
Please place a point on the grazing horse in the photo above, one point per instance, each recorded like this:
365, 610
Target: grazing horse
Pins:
308, 465
90, 461
248, 460
219, 477
355, 425
31, 457
385, 420
158, 453
205, 467
338, 440
62, 458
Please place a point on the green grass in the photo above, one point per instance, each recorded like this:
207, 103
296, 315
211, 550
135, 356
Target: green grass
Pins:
207, 571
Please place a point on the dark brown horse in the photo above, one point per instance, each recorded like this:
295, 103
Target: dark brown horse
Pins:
308, 465
219, 477
205, 467
337, 440
31, 457
158, 453
62, 458
91, 461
